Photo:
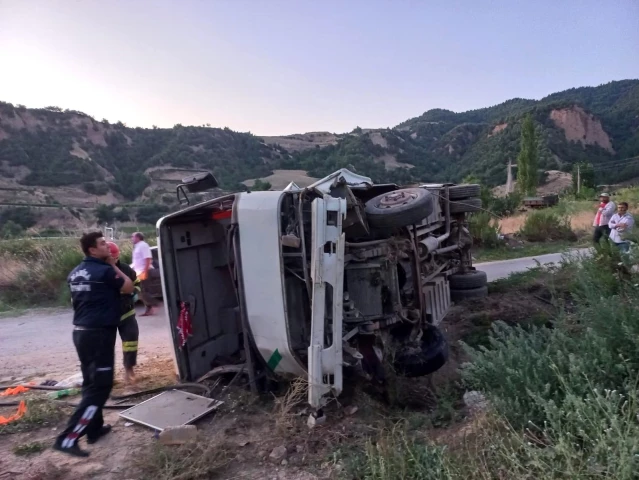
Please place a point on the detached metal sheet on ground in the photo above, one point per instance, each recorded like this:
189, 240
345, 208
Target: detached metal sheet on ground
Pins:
173, 408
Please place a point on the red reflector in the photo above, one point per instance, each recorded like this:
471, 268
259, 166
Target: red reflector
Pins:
222, 215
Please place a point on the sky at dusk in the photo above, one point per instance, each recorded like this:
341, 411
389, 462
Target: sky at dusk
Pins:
280, 67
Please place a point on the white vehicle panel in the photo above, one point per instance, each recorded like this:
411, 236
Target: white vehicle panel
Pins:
258, 216
327, 268
351, 179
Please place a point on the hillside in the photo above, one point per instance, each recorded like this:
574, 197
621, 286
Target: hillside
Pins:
593, 124
67, 161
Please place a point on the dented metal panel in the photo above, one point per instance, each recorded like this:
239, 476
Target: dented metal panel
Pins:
437, 298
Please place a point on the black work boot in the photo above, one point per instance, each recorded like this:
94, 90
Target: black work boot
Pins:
73, 450
91, 439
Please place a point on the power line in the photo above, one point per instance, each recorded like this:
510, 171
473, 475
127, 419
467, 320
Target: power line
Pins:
613, 165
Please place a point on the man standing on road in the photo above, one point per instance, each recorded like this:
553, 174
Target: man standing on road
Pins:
621, 225
128, 327
602, 218
96, 285
143, 266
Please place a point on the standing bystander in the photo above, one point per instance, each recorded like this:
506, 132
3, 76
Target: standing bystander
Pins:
96, 285
143, 266
621, 225
128, 327
602, 218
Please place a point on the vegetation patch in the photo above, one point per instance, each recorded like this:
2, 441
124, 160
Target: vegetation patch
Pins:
28, 449
41, 412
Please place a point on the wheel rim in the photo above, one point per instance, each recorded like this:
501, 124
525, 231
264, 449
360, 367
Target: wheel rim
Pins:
395, 199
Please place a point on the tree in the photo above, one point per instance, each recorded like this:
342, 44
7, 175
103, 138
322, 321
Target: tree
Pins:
261, 185
11, 230
528, 159
585, 174
105, 213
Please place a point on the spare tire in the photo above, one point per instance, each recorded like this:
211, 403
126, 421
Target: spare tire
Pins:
470, 279
461, 295
399, 208
464, 191
465, 206
431, 355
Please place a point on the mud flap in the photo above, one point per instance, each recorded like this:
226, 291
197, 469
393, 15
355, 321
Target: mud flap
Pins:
327, 273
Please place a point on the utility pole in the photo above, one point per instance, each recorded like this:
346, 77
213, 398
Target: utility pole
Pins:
578, 178
509, 181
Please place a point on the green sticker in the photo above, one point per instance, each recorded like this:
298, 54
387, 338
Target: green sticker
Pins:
275, 359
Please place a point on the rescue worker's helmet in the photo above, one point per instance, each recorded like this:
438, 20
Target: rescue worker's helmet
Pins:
114, 249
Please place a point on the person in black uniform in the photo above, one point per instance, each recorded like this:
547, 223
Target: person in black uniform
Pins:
96, 285
128, 327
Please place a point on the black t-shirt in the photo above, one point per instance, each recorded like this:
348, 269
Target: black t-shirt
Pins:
95, 291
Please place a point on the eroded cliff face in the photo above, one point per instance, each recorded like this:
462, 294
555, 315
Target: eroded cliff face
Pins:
582, 127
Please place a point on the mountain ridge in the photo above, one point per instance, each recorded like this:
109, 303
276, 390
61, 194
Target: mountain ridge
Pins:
68, 157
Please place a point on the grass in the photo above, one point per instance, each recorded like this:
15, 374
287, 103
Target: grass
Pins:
28, 449
34, 271
41, 412
196, 461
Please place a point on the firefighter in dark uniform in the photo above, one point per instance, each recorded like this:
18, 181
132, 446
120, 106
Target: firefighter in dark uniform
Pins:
96, 285
128, 327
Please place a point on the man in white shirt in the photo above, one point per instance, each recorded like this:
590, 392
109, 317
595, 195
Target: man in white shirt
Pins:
621, 225
143, 266
604, 213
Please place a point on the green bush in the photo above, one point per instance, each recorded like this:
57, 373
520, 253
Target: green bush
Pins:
11, 230
569, 394
544, 225
25, 217
35, 273
96, 188
485, 230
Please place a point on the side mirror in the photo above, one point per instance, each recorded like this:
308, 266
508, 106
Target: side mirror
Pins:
198, 182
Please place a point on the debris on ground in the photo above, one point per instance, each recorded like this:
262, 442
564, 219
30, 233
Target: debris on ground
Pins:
172, 408
351, 410
22, 410
14, 391
73, 381
178, 435
278, 454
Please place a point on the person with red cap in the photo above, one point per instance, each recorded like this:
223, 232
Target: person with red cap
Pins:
128, 327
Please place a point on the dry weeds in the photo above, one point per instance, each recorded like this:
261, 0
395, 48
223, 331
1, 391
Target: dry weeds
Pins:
192, 461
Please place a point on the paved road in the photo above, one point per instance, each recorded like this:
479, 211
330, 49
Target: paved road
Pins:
503, 268
39, 344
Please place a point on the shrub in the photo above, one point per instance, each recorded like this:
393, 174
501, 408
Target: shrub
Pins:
151, 213
485, 230
96, 188
543, 225
36, 272
22, 216
569, 394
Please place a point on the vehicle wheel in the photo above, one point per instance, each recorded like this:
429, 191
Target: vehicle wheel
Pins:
461, 295
466, 205
431, 356
399, 208
468, 280
464, 191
